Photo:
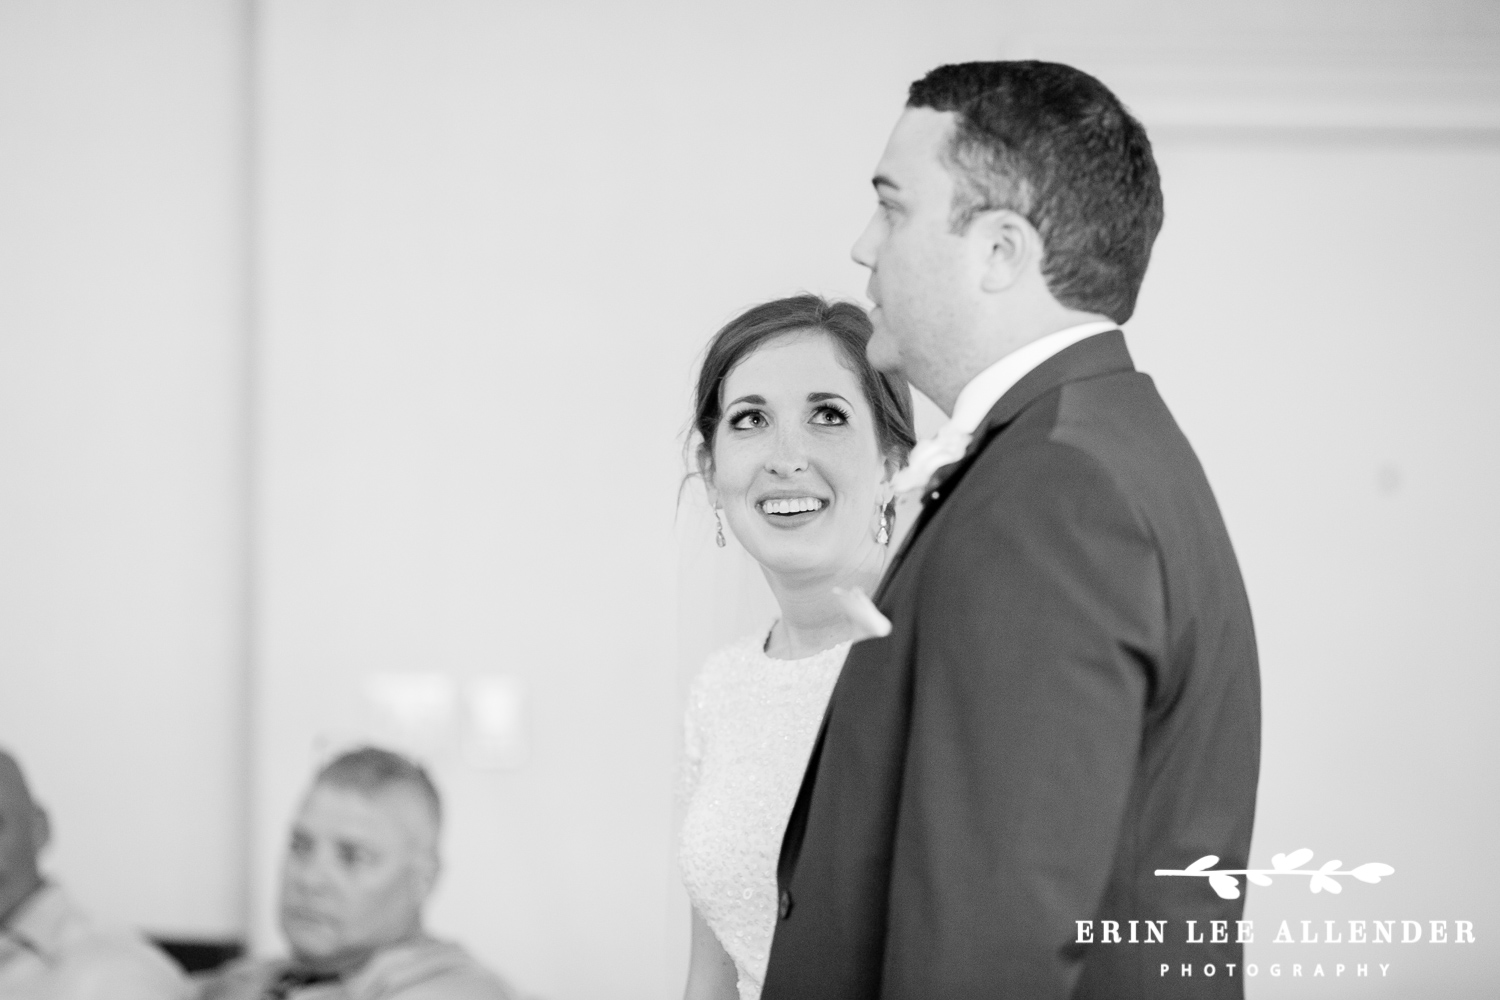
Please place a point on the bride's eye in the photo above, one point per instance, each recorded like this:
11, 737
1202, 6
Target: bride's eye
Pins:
746, 420
830, 415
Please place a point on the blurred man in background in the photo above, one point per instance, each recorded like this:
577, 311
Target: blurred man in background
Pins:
49, 949
362, 860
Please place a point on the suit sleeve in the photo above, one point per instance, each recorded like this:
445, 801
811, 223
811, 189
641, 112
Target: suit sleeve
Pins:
1040, 623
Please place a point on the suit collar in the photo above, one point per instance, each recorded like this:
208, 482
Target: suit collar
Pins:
1102, 354
985, 389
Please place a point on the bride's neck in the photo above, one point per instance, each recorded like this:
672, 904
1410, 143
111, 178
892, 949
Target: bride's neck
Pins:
812, 619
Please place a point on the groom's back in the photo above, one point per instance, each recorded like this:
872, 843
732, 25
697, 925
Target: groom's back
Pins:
1121, 422
1195, 775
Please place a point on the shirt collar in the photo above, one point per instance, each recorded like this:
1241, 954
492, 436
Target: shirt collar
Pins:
394, 969
984, 390
42, 919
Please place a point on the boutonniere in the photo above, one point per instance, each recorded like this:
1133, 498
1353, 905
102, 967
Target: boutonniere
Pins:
943, 448
862, 613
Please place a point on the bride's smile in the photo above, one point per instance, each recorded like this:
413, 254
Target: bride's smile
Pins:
787, 507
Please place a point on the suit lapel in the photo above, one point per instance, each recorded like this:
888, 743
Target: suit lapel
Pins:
1101, 354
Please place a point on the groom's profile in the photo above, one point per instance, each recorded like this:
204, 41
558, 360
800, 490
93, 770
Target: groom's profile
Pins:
1069, 698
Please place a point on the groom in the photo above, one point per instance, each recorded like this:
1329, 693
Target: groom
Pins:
1069, 699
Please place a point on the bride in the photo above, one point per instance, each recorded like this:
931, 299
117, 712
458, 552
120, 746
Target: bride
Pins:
798, 437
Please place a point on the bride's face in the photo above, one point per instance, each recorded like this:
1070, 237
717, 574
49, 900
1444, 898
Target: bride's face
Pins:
797, 467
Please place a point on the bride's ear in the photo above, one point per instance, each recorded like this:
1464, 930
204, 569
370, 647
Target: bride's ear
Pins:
706, 471
887, 490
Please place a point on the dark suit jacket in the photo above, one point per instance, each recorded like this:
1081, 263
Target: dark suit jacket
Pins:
1068, 701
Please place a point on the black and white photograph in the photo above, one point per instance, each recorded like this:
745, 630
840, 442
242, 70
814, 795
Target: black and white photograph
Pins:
801, 501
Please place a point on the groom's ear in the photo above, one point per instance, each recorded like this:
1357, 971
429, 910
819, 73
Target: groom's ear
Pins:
1009, 246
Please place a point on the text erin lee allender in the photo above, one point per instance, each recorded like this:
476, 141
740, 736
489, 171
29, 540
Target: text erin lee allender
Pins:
1217, 932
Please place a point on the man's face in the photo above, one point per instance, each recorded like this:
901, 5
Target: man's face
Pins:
923, 278
357, 871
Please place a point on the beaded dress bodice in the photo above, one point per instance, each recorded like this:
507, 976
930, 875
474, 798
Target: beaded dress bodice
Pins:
749, 728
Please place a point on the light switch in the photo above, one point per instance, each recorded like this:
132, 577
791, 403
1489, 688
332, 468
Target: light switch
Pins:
412, 710
495, 722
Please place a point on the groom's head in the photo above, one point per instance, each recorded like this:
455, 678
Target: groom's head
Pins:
1014, 197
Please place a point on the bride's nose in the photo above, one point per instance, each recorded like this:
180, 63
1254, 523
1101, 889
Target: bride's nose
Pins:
789, 452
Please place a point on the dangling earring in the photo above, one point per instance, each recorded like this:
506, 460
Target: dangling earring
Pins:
719, 535
883, 534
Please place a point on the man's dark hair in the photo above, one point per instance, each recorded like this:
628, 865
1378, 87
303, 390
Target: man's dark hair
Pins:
372, 770
1052, 144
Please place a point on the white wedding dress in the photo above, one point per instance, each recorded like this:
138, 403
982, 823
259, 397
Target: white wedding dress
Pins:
749, 729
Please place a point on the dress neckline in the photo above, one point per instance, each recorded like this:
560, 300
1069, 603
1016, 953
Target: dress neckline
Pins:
761, 647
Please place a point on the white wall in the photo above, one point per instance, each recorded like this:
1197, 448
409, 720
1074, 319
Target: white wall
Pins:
121, 454
490, 240
494, 241
1313, 316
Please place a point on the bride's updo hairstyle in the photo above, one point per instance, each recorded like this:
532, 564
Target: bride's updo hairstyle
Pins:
846, 324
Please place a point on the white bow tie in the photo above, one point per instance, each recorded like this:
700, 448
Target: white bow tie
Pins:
943, 448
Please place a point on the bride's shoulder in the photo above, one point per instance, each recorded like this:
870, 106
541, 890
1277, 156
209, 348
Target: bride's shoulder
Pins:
747, 647
730, 660
722, 674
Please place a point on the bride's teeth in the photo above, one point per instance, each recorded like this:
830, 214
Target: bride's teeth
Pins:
791, 506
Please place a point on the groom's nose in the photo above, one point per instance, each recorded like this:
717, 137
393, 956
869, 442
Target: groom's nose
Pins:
863, 250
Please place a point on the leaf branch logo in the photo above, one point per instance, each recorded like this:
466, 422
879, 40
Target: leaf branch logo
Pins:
1324, 879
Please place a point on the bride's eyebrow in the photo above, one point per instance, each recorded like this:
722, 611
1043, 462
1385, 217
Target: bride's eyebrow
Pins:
819, 397
752, 400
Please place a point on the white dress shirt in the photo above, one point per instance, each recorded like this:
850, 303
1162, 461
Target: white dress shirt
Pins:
51, 950
979, 396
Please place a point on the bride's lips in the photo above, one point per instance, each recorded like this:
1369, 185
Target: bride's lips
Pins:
791, 510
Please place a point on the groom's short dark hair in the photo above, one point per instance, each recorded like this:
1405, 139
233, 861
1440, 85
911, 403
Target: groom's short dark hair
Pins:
1053, 144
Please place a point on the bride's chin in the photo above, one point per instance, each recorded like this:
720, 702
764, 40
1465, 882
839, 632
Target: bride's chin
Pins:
812, 560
